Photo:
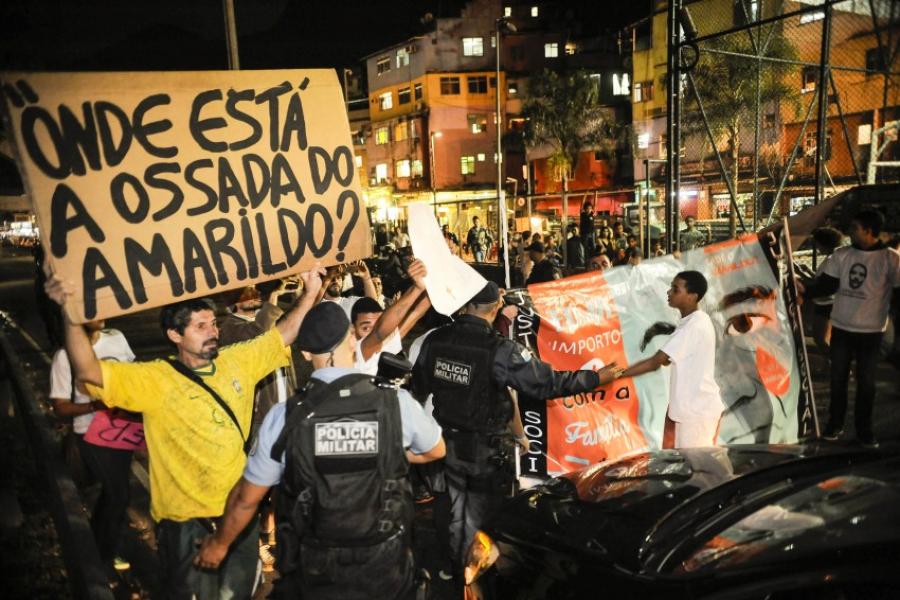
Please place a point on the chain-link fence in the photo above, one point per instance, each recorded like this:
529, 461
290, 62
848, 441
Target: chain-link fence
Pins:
757, 78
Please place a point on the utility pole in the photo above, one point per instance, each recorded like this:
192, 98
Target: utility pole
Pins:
231, 38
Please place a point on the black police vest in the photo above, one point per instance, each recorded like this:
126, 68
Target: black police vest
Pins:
345, 481
460, 359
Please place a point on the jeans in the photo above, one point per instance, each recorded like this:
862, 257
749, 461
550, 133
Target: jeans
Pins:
478, 253
111, 467
177, 544
845, 347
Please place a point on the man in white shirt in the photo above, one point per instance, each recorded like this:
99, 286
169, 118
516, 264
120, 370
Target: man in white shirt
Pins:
695, 405
862, 276
333, 286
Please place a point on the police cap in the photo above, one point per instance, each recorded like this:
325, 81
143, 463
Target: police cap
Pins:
489, 293
323, 328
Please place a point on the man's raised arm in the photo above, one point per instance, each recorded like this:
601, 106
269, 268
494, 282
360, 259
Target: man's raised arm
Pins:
390, 319
85, 366
289, 325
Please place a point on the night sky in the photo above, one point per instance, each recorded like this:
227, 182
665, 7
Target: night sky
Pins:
70, 35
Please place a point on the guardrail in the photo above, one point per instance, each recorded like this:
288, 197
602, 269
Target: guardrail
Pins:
87, 576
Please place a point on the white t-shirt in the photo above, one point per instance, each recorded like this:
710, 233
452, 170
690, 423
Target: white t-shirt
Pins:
370, 367
863, 299
693, 391
346, 302
110, 345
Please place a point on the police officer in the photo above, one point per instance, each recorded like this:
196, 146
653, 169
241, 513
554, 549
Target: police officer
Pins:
468, 367
339, 451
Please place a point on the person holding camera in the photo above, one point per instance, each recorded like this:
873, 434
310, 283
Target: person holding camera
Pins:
468, 367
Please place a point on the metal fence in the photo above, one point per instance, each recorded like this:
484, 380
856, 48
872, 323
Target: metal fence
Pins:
749, 82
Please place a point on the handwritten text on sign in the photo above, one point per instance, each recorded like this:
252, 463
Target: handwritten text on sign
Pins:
150, 187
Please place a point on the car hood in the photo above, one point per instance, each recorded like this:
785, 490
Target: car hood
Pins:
643, 511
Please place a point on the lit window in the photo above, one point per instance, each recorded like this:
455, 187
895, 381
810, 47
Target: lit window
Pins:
808, 77
381, 172
507, 11
621, 84
643, 140
400, 131
478, 84
477, 123
403, 96
534, 11
386, 100
417, 91
449, 86
481, 157
551, 50
401, 168
357, 160
643, 91
571, 49
402, 58
473, 46
512, 88
382, 136
416, 170
467, 165
383, 65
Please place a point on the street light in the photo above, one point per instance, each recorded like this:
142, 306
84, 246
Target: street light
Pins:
502, 25
432, 135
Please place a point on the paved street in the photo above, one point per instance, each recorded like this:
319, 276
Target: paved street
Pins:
17, 301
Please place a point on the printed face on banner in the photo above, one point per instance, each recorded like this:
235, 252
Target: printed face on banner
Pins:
622, 315
153, 187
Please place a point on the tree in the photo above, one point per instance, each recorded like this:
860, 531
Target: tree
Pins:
725, 79
563, 111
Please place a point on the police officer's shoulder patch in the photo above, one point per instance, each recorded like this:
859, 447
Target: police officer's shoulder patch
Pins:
452, 371
346, 438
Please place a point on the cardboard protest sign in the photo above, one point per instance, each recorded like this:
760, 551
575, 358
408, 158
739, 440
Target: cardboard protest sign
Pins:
622, 315
450, 281
153, 187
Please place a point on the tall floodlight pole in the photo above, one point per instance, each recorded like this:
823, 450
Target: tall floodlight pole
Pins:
501, 24
231, 39
673, 125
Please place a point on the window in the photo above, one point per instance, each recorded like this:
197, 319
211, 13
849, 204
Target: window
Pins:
492, 82
416, 170
401, 168
473, 46
874, 60
809, 75
480, 157
383, 65
357, 160
551, 50
534, 11
769, 121
643, 140
643, 91
381, 172
571, 49
467, 165
402, 57
403, 96
413, 130
746, 11
449, 86
417, 91
809, 147
381, 136
507, 11
811, 16
621, 84
512, 88
477, 123
478, 85
386, 100
400, 131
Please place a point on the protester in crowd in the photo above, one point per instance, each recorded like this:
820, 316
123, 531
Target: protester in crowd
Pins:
551, 250
197, 407
605, 237
522, 265
244, 320
479, 240
633, 256
345, 503
827, 240
691, 237
574, 249
379, 291
656, 249
332, 289
599, 262
399, 238
108, 465
862, 277
377, 330
586, 227
381, 237
467, 367
619, 237
445, 229
542, 269
695, 405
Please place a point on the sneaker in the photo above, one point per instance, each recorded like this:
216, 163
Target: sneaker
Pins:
832, 435
868, 441
267, 558
120, 564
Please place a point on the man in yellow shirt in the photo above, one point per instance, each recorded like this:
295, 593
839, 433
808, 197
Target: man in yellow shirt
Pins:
196, 439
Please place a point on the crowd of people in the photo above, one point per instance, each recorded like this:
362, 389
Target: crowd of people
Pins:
275, 434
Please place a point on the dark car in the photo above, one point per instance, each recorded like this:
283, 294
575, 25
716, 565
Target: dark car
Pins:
745, 522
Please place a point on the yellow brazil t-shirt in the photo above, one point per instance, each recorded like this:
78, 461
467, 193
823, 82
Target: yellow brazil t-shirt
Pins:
196, 452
